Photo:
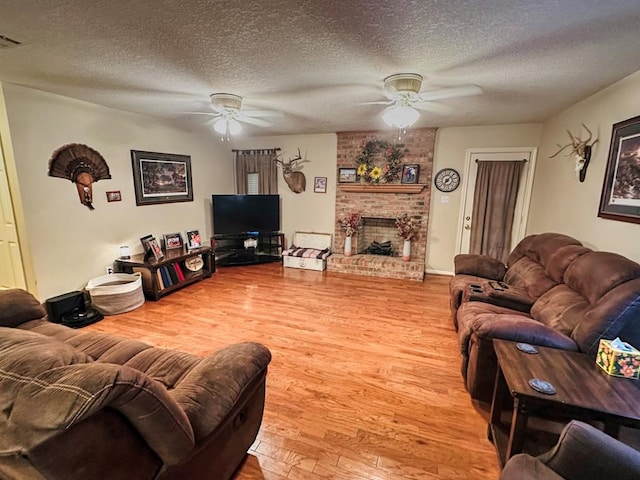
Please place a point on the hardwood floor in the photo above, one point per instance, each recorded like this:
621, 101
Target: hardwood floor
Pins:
365, 379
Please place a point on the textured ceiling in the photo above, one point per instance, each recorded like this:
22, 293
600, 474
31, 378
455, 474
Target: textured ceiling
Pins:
316, 61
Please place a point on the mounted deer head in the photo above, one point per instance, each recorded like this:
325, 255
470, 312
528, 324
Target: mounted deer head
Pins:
296, 180
581, 150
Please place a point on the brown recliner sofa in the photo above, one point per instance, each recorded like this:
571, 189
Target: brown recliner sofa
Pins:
570, 297
80, 405
581, 453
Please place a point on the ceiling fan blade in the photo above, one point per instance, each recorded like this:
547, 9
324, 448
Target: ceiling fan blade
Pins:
433, 107
261, 113
386, 102
450, 92
213, 114
253, 121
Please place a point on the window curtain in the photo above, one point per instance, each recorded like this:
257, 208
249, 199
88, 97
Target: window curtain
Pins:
494, 204
260, 162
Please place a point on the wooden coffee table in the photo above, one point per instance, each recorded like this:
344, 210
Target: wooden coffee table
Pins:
583, 391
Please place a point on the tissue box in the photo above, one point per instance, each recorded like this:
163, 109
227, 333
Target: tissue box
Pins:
618, 363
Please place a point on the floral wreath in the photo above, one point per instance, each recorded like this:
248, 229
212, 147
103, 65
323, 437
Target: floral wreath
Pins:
373, 173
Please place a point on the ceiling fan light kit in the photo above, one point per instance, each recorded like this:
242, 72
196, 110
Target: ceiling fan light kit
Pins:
400, 116
402, 89
227, 126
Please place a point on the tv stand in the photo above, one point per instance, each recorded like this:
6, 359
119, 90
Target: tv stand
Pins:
247, 248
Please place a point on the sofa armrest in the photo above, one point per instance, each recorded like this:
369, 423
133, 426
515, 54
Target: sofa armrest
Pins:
211, 389
584, 452
18, 306
518, 328
479, 266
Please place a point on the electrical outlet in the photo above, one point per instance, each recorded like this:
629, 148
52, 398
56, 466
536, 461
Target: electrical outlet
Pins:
109, 269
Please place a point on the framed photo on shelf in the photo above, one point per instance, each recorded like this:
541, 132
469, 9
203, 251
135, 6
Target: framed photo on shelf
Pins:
161, 177
410, 173
193, 239
151, 247
347, 175
145, 243
620, 199
320, 184
172, 240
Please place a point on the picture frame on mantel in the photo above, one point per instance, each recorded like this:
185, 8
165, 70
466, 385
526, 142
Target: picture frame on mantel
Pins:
410, 173
347, 175
620, 199
161, 177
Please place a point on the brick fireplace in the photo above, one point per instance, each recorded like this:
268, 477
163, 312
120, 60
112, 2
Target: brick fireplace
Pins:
381, 206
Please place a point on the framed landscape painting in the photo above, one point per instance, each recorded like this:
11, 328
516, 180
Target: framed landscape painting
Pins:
347, 175
620, 199
161, 177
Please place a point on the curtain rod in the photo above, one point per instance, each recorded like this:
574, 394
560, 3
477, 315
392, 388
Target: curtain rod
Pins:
524, 160
257, 150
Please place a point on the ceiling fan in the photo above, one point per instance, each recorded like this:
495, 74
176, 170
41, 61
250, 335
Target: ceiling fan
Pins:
229, 116
404, 99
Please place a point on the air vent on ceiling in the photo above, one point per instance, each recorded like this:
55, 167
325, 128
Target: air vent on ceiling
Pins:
6, 42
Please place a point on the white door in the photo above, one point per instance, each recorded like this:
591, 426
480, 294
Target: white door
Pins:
469, 182
11, 265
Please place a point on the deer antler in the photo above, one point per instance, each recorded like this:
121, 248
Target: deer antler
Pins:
577, 143
292, 162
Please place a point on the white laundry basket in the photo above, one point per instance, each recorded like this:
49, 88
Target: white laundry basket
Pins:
116, 293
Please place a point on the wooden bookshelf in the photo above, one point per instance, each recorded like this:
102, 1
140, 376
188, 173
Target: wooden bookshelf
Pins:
161, 277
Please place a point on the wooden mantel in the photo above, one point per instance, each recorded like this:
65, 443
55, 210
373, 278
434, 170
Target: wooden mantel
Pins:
386, 188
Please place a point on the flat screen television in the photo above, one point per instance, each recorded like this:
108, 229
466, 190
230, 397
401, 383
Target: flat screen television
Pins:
245, 214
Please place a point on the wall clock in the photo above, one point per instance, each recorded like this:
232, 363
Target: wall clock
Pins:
447, 180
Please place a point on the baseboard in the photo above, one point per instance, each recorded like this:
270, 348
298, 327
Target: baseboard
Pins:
439, 272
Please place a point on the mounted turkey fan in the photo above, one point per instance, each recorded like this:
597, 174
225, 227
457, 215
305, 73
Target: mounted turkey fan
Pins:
82, 165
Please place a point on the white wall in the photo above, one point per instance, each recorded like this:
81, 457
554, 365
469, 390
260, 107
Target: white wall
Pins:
70, 244
306, 211
451, 147
560, 202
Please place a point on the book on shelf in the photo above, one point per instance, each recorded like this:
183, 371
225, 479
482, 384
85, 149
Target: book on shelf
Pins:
166, 279
160, 282
172, 273
179, 272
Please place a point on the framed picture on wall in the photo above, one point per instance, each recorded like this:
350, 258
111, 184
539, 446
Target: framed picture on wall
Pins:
320, 184
161, 177
620, 199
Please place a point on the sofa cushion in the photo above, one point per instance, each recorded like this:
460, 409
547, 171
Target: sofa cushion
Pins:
536, 266
596, 273
530, 276
526, 467
553, 308
64, 386
540, 247
18, 306
561, 259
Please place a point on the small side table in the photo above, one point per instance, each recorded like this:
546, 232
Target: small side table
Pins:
583, 391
